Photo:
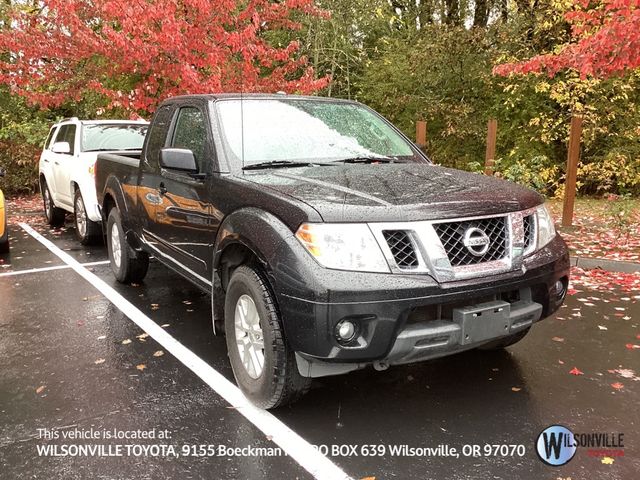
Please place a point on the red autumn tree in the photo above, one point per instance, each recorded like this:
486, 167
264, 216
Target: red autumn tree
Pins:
137, 52
606, 42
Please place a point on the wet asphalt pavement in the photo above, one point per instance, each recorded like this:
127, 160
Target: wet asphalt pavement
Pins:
71, 359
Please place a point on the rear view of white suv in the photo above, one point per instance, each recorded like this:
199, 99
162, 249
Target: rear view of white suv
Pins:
67, 168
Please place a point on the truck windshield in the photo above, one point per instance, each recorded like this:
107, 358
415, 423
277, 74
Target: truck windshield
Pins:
307, 131
112, 137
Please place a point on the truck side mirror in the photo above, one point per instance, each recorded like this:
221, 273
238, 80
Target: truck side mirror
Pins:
61, 147
180, 159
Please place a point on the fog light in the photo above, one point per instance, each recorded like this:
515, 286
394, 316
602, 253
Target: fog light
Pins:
559, 289
345, 330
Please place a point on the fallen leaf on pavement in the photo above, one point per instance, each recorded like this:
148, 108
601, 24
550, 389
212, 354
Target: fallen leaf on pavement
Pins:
558, 339
141, 367
515, 389
99, 361
625, 373
632, 346
102, 337
126, 342
607, 460
575, 371
617, 386
40, 389
602, 327
159, 353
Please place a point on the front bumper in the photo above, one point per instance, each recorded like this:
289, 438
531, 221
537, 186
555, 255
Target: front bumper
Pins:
394, 312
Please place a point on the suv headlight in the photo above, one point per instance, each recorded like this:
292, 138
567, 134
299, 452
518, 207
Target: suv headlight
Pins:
343, 246
546, 229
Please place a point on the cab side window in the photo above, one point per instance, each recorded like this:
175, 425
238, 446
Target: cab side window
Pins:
67, 133
191, 133
47, 142
157, 137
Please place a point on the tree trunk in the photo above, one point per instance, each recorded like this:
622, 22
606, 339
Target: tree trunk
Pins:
480, 14
453, 12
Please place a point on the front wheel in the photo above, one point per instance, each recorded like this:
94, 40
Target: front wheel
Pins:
87, 232
263, 364
127, 266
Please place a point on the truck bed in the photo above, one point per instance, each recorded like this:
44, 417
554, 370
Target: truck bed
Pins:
121, 165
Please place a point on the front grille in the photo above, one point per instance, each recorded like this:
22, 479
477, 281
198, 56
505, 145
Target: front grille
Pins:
452, 236
402, 249
529, 231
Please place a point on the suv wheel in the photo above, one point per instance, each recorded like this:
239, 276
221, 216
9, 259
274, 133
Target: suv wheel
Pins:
263, 364
127, 266
54, 215
4, 240
87, 231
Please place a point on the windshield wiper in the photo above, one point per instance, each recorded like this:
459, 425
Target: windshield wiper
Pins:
366, 160
111, 149
280, 164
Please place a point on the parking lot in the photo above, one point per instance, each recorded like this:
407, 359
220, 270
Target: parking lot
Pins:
71, 358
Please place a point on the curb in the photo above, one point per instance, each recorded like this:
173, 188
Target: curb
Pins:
604, 264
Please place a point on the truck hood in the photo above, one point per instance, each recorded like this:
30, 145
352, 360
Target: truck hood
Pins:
395, 192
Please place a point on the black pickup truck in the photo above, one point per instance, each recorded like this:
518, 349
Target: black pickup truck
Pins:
328, 241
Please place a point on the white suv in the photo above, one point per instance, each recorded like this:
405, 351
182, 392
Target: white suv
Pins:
67, 168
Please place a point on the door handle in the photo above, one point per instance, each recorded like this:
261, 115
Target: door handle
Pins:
45, 160
56, 163
162, 189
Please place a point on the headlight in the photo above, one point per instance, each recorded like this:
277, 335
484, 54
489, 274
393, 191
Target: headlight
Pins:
348, 246
546, 230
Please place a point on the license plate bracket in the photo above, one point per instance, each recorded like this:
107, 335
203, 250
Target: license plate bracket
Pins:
483, 321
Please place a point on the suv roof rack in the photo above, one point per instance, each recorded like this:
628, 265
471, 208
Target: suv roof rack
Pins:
70, 119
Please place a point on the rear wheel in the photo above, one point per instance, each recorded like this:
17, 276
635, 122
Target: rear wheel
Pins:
127, 265
505, 342
87, 232
4, 240
54, 215
263, 364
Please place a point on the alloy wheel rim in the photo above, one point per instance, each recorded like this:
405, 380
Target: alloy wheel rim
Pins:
81, 217
116, 251
47, 203
249, 337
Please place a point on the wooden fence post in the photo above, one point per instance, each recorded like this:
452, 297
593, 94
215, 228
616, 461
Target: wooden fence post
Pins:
421, 134
573, 157
490, 155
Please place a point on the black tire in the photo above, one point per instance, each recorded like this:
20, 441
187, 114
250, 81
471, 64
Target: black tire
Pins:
54, 215
279, 382
4, 240
87, 232
127, 265
505, 342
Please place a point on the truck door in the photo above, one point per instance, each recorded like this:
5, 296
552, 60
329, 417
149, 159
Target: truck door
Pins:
63, 163
185, 221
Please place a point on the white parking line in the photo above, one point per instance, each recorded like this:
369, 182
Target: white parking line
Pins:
48, 269
293, 444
